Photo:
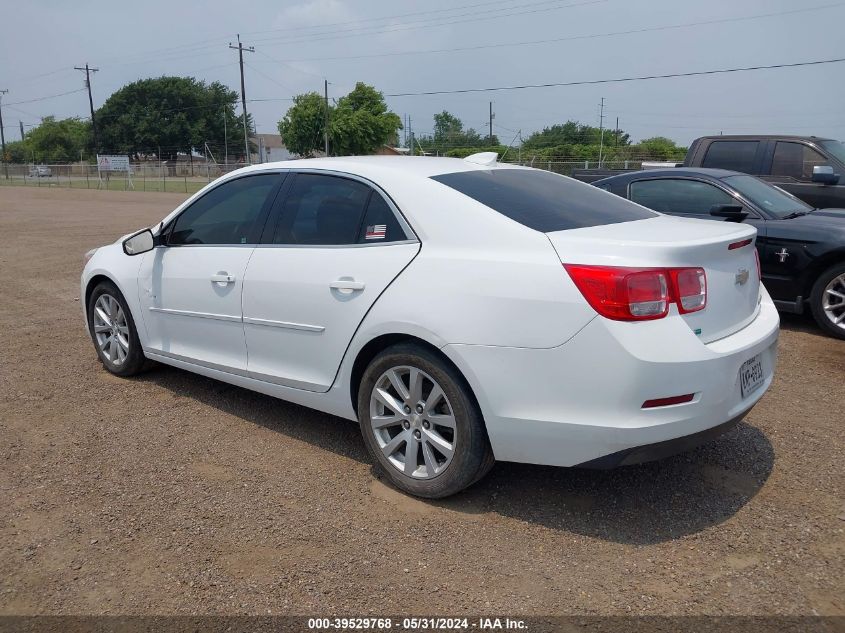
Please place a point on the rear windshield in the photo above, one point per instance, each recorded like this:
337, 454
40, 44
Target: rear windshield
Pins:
542, 200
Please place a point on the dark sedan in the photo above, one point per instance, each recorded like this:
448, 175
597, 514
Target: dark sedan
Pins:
802, 249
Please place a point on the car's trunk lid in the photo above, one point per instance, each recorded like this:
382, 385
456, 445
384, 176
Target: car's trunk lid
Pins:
733, 286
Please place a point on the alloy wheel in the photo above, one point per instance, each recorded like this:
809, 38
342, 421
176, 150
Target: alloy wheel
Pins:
833, 301
413, 422
111, 329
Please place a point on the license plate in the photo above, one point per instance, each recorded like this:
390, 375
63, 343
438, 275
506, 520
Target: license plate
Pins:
751, 375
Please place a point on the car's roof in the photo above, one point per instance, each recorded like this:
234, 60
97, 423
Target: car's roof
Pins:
372, 166
754, 137
671, 171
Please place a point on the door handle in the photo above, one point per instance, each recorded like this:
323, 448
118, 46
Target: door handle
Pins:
222, 278
347, 284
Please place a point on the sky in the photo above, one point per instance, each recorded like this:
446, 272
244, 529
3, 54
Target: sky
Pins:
402, 46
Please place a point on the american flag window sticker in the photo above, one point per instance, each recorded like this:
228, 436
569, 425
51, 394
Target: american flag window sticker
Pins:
376, 232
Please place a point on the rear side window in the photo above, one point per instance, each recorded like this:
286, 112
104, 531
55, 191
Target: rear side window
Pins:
678, 196
543, 201
322, 210
733, 155
380, 224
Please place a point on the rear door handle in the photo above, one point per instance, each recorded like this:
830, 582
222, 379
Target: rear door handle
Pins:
222, 278
347, 284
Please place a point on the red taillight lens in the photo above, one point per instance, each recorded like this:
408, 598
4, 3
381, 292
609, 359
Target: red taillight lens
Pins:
639, 294
759, 268
691, 288
623, 294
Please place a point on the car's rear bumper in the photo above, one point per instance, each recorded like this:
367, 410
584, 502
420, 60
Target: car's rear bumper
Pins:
581, 403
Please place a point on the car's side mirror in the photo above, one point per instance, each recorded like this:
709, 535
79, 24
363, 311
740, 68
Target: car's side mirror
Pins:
139, 243
731, 212
825, 175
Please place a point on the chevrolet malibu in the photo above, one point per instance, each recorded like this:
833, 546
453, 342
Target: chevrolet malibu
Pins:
462, 311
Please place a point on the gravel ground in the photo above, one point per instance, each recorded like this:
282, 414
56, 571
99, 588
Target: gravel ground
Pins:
174, 494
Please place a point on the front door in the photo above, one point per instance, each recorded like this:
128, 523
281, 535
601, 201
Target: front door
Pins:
336, 246
190, 287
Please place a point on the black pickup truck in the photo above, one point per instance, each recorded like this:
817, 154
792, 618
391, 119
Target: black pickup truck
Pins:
808, 167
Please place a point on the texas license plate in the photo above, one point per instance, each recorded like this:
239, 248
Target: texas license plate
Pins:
751, 375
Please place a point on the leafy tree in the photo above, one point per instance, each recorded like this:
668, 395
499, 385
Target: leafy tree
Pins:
176, 114
573, 133
449, 134
53, 142
660, 147
303, 127
361, 122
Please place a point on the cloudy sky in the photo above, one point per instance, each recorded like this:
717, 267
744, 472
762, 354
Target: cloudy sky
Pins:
402, 46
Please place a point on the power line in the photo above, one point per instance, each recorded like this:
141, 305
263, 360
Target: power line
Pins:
572, 37
618, 79
61, 94
473, 17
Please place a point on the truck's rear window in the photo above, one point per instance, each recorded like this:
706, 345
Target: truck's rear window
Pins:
542, 200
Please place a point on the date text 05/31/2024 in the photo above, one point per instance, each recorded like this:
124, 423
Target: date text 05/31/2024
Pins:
416, 624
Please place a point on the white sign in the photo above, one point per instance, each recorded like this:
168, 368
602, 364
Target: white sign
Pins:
113, 163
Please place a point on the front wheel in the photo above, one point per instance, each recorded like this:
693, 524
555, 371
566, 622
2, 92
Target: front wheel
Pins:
113, 331
827, 300
421, 424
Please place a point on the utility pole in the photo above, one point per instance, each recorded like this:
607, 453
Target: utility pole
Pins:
491, 123
410, 136
616, 133
601, 131
326, 120
225, 140
21, 124
88, 72
251, 49
3, 137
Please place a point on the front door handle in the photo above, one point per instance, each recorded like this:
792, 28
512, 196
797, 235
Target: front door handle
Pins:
347, 284
222, 278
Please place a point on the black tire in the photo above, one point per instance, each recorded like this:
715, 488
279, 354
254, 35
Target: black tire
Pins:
135, 360
817, 299
472, 457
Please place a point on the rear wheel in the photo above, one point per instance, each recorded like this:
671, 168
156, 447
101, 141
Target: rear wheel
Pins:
421, 424
113, 331
827, 300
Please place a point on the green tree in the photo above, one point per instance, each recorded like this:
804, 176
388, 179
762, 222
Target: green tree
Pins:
449, 135
303, 127
176, 114
662, 148
361, 122
53, 141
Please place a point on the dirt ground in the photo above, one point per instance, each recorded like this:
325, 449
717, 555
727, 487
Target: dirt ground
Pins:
174, 494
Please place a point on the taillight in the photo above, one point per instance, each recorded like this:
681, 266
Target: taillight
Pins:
640, 294
759, 268
691, 288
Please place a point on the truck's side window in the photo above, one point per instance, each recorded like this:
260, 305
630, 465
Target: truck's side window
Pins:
734, 155
678, 196
795, 160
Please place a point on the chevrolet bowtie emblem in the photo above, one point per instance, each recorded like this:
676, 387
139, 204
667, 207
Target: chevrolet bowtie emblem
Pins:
741, 277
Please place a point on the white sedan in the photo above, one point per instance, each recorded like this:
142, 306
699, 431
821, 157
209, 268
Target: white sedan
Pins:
462, 311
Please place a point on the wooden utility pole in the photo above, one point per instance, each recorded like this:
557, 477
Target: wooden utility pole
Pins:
491, 123
88, 72
251, 49
3, 138
326, 121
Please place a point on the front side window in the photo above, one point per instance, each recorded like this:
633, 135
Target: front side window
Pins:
678, 196
771, 199
733, 155
795, 160
541, 200
226, 215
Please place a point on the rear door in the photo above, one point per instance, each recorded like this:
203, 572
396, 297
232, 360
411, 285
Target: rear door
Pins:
190, 288
333, 245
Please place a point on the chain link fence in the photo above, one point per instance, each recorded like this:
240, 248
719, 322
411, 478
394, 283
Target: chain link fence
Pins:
184, 177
